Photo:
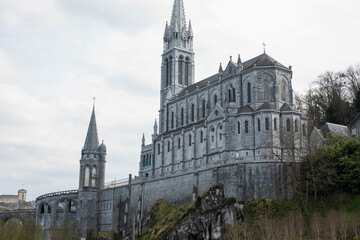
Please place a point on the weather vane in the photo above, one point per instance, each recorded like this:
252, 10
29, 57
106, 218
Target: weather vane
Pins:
264, 46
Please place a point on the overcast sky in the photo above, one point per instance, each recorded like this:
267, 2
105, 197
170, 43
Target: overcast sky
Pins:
55, 55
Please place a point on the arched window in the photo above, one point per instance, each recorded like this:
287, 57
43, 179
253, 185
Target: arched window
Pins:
189, 139
249, 92
144, 161
229, 95
201, 136
170, 71
179, 142
93, 177
172, 120
158, 148
238, 127
220, 136
296, 125
192, 112
168, 146
167, 72
180, 70
182, 116
149, 160
215, 99
187, 66
48, 209
203, 108
267, 125
87, 177
275, 124
233, 95
283, 91
288, 125
259, 123
246, 126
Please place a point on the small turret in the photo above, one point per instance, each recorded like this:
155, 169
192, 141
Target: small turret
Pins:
190, 31
143, 140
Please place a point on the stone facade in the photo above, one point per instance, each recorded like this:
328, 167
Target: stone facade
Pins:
235, 128
21, 197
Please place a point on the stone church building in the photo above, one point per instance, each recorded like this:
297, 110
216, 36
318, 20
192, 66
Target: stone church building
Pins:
238, 127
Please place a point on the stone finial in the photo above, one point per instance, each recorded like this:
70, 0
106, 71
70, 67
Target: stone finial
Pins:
220, 69
143, 140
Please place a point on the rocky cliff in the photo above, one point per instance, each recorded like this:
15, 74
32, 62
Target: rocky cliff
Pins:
205, 218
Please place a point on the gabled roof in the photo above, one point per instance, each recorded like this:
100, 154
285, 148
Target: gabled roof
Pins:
286, 107
266, 106
245, 109
335, 130
262, 60
92, 139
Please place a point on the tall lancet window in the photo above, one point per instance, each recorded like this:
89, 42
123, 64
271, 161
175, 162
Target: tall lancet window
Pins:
86, 177
167, 72
192, 112
187, 68
249, 92
180, 70
170, 71
203, 108
93, 177
182, 116
283, 92
233, 95
172, 120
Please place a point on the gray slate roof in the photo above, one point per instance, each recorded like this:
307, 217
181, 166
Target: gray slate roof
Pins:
261, 60
266, 106
335, 130
92, 139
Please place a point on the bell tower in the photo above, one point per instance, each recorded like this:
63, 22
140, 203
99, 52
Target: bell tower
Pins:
177, 68
91, 179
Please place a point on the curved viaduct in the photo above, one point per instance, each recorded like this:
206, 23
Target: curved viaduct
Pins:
53, 208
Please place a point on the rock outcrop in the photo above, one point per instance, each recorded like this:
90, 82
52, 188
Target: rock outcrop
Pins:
206, 218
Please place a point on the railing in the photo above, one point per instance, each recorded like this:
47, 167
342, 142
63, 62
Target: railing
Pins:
57, 194
116, 183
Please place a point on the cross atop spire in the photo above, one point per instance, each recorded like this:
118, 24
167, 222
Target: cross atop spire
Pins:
264, 45
178, 20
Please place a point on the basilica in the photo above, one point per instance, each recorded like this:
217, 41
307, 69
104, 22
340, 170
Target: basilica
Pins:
238, 128
244, 110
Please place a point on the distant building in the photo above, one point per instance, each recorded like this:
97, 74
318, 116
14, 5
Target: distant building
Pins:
354, 126
21, 197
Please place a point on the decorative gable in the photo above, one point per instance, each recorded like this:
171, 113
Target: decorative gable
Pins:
216, 113
230, 69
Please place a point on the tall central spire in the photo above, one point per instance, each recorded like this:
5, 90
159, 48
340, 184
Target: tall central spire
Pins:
92, 139
178, 20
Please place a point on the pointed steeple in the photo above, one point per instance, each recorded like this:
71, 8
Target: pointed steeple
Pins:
178, 20
92, 139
